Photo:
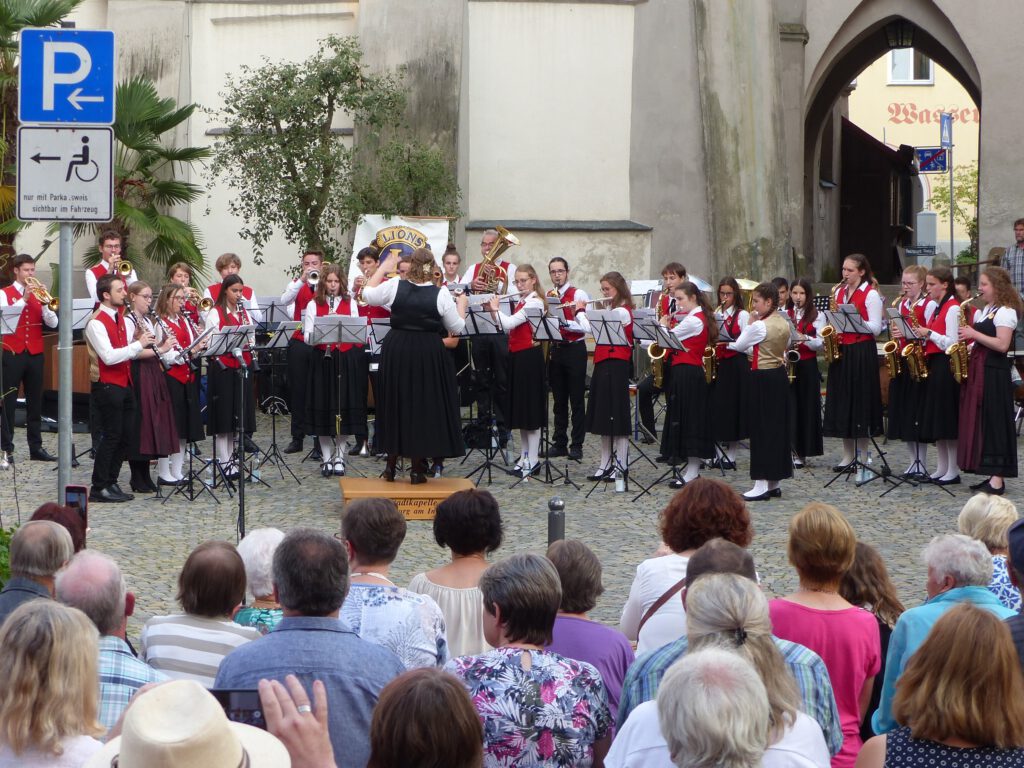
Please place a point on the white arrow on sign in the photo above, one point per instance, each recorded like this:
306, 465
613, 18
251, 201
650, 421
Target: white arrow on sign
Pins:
75, 99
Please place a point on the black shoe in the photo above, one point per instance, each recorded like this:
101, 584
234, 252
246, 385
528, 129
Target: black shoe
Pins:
555, 451
417, 478
117, 489
951, 481
676, 483
576, 453
601, 474
141, 487
326, 469
842, 467
987, 488
979, 486
41, 454
316, 454
106, 496
647, 439
760, 497
250, 446
357, 448
775, 493
295, 446
171, 483
722, 462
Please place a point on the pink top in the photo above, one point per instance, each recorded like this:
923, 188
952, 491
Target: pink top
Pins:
847, 641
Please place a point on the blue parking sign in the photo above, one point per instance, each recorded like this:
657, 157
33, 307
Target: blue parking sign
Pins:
66, 76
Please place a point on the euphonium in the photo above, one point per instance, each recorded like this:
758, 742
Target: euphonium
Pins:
490, 271
913, 351
959, 353
830, 342
655, 351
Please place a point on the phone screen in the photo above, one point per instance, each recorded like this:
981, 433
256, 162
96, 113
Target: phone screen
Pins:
77, 497
242, 706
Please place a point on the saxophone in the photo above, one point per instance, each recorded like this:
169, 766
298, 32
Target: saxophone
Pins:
710, 362
959, 353
654, 350
913, 351
891, 349
828, 333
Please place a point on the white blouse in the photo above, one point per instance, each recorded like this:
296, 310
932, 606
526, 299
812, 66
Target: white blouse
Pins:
508, 322
383, 295
813, 342
873, 303
689, 326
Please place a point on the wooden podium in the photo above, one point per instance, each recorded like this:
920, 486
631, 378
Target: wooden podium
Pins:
416, 502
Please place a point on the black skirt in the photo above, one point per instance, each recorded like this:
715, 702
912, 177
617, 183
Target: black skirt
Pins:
768, 404
188, 417
527, 407
805, 408
420, 414
729, 399
608, 411
906, 404
154, 433
337, 386
988, 437
222, 397
853, 399
688, 423
940, 411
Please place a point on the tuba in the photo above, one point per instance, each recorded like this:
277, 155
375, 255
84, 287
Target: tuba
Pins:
490, 271
959, 353
655, 351
828, 333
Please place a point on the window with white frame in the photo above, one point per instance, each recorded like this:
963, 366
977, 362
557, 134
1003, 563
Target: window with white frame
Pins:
910, 67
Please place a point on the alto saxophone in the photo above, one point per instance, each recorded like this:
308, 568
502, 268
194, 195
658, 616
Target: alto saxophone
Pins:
891, 349
654, 350
959, 353
830, 342
913, 351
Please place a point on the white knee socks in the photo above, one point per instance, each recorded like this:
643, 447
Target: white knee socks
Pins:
529, 440
621, 452
692, 469
326, 448
223, 444
170, 469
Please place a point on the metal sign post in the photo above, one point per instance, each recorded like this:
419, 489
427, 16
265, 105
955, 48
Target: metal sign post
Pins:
946, 142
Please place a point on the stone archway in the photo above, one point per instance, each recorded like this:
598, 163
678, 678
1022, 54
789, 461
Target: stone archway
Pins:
860, 40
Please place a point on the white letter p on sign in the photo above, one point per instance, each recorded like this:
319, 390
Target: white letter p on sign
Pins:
52, 78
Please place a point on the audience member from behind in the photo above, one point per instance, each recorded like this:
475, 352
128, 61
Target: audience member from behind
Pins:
575, 635
867, 585
257, 553
93, 584
959, 571
469, 524
180, 725
191, 645
38, 550
1015, 538
310, 583
725, 610
822, 546
70, 517
987, 519
48, 696
713, 710
959, 701
644, 678
408, 624
705, 509
538, 708
425, 719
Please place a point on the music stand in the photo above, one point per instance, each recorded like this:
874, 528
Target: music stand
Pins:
377, 329
608, 330
644, 321
274, 404
479, 322
667, 340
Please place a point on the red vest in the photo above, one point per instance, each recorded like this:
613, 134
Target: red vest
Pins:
191, 310
732, 325
305, 295
374, 313
520, 337
228, 320
807, 329
938, 324
859, 300
343, 308
694, 352
917, 308
604, 352
570, 314
182, 371
28, 336
119, 374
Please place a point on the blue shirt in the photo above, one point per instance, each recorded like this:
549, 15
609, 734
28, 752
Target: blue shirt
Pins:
121, 675
911, 630
19, 590
321, 648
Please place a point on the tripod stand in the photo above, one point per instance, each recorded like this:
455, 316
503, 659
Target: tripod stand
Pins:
273, 404
480, 323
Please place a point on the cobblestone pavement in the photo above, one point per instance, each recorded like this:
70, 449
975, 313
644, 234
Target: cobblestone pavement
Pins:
151, 540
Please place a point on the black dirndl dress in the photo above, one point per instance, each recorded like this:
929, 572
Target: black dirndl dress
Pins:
940, 411
853, 399
526, 373
223, 408
906, 404
608, 411
188, 418
420, 417
988, 438
768, 404
155, 433
688, 423
729, 399
805, 408
336, 387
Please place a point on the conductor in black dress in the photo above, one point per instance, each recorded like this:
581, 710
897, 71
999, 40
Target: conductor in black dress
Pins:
421, 397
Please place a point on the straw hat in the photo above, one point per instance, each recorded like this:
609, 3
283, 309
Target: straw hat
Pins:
181, 725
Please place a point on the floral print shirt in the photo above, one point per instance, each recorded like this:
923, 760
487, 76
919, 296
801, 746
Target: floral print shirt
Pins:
409, 625
1001, 586
549, 714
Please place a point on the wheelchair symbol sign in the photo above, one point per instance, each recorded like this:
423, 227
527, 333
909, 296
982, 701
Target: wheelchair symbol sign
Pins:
65, 174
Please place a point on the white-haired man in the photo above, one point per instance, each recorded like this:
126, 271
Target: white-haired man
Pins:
93, 583
959, 571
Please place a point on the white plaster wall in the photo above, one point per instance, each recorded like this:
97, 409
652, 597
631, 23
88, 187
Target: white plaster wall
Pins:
549, 110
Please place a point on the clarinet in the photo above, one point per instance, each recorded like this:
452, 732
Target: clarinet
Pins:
159, 358
185, 357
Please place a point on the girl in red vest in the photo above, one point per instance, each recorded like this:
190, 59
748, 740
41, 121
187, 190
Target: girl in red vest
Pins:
728, 396
806, 387
336, 385
527, 407
941, 408
688, 422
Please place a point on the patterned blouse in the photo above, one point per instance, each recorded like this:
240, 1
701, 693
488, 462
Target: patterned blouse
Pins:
408, 624
904, 751
548, 715
264, 619
1001, 587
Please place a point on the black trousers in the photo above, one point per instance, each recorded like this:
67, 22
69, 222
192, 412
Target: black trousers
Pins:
490, 357
567, 373
645, 394
300, 359
22, 369
115, 407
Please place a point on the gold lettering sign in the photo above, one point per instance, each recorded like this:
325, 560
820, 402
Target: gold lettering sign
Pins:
405, 239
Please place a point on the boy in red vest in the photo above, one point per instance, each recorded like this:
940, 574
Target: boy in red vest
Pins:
110, 257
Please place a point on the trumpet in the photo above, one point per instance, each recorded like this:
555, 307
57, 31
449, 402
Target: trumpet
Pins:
38, 290
202, 303
123, 268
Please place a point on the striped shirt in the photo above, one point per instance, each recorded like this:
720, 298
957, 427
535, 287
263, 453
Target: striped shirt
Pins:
186, 647
121, 675
1013, 261
644, 677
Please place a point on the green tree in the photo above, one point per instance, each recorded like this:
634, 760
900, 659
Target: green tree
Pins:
290, 171
964, 205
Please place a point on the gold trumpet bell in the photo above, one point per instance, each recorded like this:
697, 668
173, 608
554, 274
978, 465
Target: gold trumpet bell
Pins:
124, 268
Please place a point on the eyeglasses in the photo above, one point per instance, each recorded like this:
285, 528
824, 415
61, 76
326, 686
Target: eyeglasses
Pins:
146, 296
557, 271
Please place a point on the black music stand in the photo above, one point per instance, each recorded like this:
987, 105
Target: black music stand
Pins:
479, 322
377, 329
644, 321
9, 319
274, 404
667, 340
608, 330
